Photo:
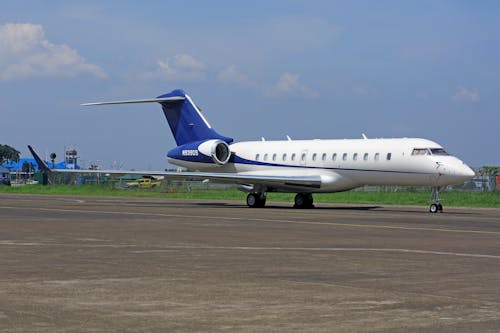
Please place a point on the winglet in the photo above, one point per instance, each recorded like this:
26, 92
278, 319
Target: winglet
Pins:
41, 164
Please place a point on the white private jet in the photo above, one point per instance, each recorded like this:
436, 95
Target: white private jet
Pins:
298, 166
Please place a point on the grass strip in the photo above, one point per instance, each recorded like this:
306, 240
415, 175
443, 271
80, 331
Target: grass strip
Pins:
403, 197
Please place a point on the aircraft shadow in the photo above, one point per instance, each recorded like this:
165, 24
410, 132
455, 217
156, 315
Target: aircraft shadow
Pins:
335, 208
232, 205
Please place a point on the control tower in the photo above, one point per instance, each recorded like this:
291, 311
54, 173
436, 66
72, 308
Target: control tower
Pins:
71, 158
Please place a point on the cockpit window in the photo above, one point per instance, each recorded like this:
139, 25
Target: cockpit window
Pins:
439, 151
429, 151
420, 151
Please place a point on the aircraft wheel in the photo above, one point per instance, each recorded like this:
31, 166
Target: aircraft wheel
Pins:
255, 200
261, 200
434, 208
309, 201
303, 200
252, 200
299, 201
440, 207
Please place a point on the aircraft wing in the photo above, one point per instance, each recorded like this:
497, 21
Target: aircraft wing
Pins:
232, 178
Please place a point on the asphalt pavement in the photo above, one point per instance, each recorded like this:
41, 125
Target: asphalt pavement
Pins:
89, 264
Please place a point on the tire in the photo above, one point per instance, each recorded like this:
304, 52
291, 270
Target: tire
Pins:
303, 200
309, 201
299, 201
256, 200
252, 200
434, 208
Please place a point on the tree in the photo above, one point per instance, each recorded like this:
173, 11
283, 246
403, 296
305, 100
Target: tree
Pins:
491, 170
489, 177
28, 167
7, 153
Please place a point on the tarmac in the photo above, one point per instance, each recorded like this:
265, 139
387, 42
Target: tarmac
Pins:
88, 264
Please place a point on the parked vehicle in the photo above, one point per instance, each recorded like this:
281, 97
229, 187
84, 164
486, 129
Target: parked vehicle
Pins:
145, 182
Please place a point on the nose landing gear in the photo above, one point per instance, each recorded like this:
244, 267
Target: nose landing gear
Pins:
436, 206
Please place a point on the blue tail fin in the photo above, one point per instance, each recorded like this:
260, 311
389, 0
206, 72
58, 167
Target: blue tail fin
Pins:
186, 121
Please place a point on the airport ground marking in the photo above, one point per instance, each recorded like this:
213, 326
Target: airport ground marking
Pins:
170, 248
229, 218
317, 249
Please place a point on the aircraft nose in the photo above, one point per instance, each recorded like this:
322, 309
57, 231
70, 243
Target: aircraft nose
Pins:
468, 172
455, 171
463, 172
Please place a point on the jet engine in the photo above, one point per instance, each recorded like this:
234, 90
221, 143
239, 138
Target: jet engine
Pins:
218, 150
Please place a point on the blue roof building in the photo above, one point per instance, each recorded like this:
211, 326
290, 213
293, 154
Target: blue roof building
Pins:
69, 162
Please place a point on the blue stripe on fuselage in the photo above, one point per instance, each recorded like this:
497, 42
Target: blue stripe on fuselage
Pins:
240, 160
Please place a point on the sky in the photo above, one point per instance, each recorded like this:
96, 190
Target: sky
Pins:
307, 69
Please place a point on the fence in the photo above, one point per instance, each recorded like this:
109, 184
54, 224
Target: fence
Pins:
481, 182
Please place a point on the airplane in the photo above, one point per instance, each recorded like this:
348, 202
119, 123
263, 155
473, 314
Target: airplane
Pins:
303, 167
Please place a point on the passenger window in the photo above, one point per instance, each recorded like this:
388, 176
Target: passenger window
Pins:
323, 158
355, 156
314, 157
365, 157
274, 157
344, 157
265, 157
377, 156
334, 157
284, 157
293, 157
303, 157
389, 155
257, 157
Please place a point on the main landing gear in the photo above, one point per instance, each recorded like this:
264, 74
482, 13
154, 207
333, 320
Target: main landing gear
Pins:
258, 200
436, 206
303, 200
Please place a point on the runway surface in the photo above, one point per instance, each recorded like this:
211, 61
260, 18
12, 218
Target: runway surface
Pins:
80, 264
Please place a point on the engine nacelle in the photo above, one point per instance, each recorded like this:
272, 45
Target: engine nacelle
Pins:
218, 150
201, 154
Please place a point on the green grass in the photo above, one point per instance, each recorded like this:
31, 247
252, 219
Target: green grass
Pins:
452, 198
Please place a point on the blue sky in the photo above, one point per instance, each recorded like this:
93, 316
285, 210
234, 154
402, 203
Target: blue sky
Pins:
308, 69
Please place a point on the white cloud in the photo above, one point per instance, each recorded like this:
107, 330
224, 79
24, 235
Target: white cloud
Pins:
187, 61
466, 95
289, 83
26, 52
232, 75
183, 67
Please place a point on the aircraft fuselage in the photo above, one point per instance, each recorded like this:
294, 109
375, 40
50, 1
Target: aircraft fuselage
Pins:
342, 164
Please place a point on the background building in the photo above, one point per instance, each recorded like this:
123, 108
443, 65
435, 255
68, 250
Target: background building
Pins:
28, 165
4, 175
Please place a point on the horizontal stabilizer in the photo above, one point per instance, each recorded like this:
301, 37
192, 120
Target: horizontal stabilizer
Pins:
137, 101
